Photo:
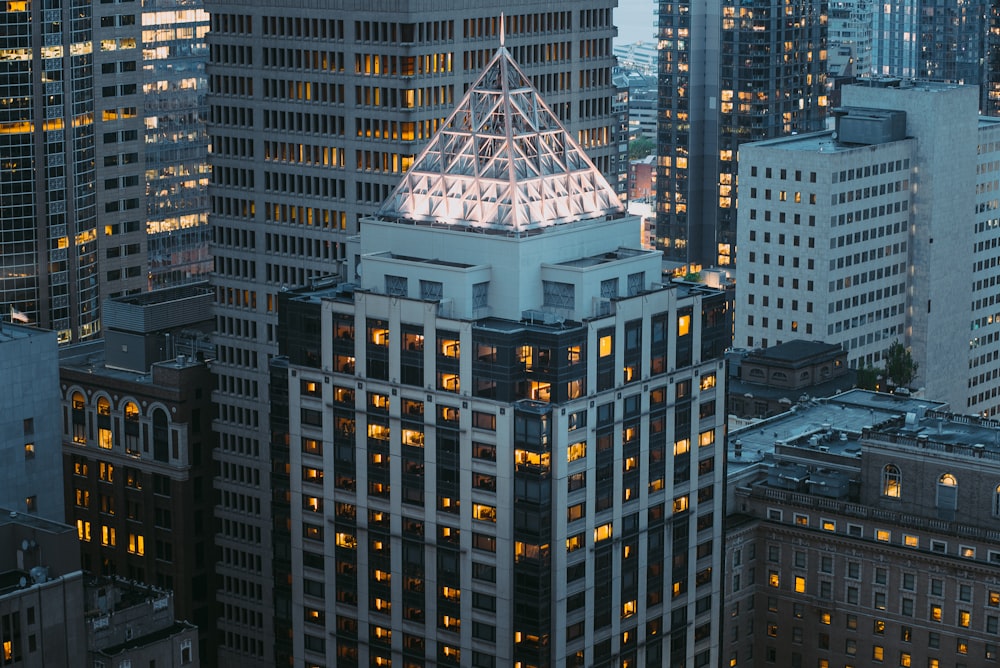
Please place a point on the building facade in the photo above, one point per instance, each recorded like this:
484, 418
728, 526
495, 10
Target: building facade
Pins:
884, 230
30, 449
315, 115
137, 452
866, 544
500, 442
757, 70
941, 42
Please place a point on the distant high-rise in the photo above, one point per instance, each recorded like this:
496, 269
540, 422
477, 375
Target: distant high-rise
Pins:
885, 229
500, 443
940, 41
729, 73
315, 115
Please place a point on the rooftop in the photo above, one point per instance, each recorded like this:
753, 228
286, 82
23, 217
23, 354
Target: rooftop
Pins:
837, 423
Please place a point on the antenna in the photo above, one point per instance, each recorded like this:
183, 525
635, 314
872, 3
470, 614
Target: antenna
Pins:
501, 30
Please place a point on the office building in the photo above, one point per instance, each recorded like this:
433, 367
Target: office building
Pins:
883, 230
30, 448
41, 593
315, 115
941, 42
49, 246
175, 113
861, 533
498, 440
137, 449
729, 73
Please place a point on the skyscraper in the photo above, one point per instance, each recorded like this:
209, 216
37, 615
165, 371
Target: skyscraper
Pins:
940, 41
315, 115
500, 443
728, 73
49, 237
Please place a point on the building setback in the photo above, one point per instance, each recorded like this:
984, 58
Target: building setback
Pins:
499, 443
862, 532
883, 230
729, 73
315, 115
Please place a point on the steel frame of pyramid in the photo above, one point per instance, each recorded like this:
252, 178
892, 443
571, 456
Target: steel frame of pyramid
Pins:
502, 161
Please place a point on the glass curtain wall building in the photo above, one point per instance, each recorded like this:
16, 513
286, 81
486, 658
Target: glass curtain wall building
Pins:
48, 213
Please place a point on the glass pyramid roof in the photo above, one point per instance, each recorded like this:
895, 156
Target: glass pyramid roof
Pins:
502, 161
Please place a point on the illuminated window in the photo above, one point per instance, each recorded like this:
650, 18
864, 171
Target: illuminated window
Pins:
682, 446
911, 541
83, 530
541, 391
448, 382
706, 438
575, 542
576, 451
683, 325
935, 613
967, 551
104, 423
136, 544
681, 504
892, 481
828, 525
964, 618
629, 608
451, 593
378, 334
602, 532
382, 605
575, 512
449, 348
878, 653
484, 513
106, 472
108, 536
947, 492
605, 345
883, 535
708, 381
800, 584
346, 540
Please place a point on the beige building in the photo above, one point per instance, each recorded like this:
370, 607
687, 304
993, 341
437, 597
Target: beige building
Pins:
317, 112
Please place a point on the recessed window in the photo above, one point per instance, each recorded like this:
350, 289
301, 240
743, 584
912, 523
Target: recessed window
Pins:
891, 481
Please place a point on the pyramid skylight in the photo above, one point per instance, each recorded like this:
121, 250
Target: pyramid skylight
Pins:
501, 161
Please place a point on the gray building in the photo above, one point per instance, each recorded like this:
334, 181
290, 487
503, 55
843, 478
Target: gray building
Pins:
499, 443
316, 114
29, 445
41, 593
729, 73
882, 230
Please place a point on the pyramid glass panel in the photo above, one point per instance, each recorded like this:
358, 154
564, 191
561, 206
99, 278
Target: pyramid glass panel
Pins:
502, 161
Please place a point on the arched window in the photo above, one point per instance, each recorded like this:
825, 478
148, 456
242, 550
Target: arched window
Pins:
892, 481
161, 434
79, 418
104, 423
947, 492
131, 428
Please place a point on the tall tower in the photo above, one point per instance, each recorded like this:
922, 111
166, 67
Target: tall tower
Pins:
315, 115
49, 238
474, 432
728, 73
940, 41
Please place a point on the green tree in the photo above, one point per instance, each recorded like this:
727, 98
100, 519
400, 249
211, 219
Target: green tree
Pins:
900, 369
640, 147
868, 377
